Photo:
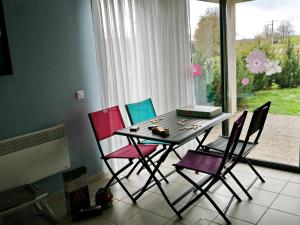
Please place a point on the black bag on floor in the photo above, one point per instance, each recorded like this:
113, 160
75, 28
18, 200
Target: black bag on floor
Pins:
104, 197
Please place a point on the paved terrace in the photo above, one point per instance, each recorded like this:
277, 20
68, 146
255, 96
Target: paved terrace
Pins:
280, 140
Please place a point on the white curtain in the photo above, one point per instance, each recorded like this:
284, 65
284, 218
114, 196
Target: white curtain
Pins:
143, 49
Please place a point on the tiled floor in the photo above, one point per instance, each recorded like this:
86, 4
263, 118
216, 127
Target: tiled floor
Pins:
275, 202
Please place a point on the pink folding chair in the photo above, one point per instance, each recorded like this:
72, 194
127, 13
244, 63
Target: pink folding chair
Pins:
104, 123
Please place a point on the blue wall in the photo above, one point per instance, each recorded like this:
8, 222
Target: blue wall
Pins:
53, 55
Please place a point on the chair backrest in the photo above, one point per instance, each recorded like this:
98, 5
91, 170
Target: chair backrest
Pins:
258, 121
233, 139
105, 122
140, 111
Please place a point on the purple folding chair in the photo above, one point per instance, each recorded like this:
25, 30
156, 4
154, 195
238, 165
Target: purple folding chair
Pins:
104, 124
243, 147
213, 165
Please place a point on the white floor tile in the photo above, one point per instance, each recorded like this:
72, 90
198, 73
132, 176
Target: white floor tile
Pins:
220, 220
171, 189
194, 214
245, 211
176, 178
146, 218
271, 184
287, 204
90, 221
173, 222
295, 178
154, 203
243, 167
152, 209
277, 174
274, 217
260, 197
291, 189
119, 193
220, 188
244, 178
136, 180
120, 212
220, 200
144, 201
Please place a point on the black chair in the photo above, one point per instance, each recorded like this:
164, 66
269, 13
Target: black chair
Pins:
214, 165
244, 147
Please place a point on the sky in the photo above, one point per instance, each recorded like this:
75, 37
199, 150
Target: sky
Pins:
252, 16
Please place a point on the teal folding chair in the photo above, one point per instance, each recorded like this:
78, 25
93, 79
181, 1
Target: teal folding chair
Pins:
139, 112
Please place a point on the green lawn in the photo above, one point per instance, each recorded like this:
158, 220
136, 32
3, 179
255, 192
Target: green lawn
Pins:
296, 39
284, 101
252, 43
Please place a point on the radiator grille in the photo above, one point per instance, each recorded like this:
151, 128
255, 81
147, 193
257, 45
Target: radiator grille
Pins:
26, 141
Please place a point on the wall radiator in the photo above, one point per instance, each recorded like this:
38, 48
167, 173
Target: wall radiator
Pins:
31, 157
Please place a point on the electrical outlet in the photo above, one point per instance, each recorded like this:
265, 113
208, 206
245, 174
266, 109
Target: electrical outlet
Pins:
80, 94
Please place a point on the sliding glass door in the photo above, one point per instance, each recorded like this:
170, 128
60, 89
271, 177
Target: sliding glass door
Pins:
268, 69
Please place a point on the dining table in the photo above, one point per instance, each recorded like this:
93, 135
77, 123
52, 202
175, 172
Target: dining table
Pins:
182, 129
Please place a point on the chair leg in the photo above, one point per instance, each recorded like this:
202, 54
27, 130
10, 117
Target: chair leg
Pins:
241, 186
160, 173
202, 192
132, 169
178, 156
217, 208
152, 156
255, 171
109, 182
209, 185
125, 189
230, 189
167, 199
152, 176
115, 177
200, 143
140, 170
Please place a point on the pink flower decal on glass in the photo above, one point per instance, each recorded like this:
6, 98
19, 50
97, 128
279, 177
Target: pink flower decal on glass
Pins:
245, 81
197, 70
256, 61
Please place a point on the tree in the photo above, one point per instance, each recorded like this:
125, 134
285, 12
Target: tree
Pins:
207, 34
285, 29
290, 75
267, 31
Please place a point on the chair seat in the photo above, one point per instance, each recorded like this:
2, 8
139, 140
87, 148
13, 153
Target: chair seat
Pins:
130, 152
154, 142
220, 145
200, 162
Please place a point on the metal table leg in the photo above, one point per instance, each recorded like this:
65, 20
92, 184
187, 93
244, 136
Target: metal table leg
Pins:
152, 175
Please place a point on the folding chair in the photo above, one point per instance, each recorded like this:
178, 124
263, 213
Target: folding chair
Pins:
243, 147
104, 124
211, 164
139, 112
